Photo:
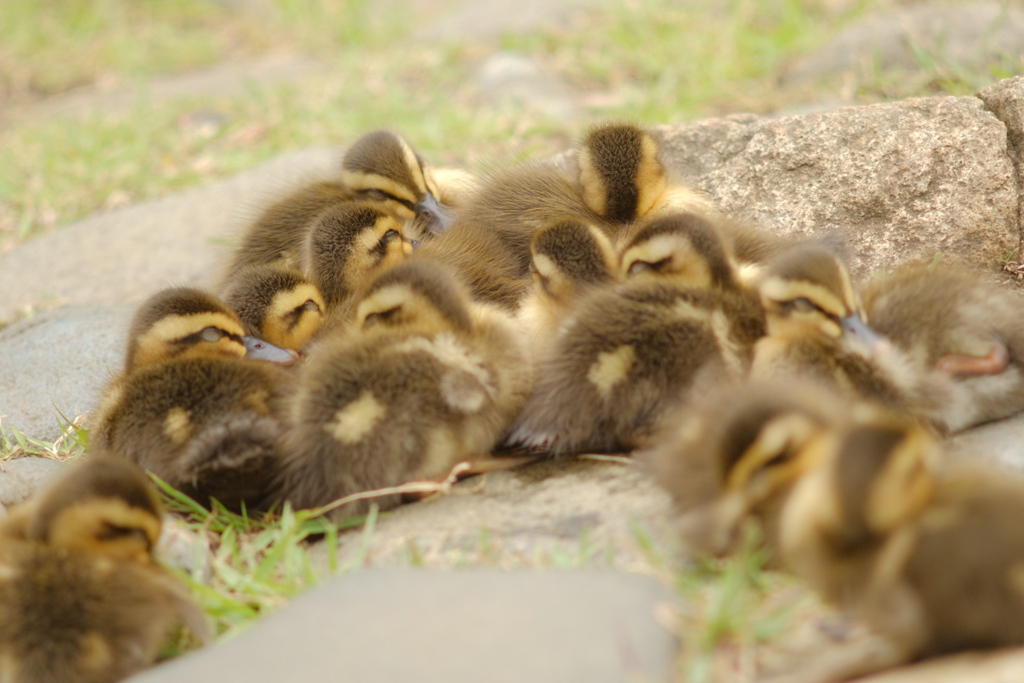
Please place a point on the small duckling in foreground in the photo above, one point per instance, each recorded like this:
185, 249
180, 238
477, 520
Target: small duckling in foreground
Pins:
737, 453
955, 323
568, 259
931, 558
190, 406
82, 599
423, 380
278, 305
817, 329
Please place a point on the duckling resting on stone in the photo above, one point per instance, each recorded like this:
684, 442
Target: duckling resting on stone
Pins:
959, 325
931, 557
630, 352
81, 598
423, 380
190, 406
817, 329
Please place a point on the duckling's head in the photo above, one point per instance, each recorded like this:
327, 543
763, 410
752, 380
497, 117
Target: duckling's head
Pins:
808, 292
875, 476
417, 296
684, 247
104, 505
349, 243
278, 305
568, 255
184, 322
382, 167
620, 173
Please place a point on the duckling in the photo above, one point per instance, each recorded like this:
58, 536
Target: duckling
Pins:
623, 179
625, 357
190, 406
81, 598
817, 329
736, 453
568, 259
931, 557
380, 168
425, 379
278, 305
956, 324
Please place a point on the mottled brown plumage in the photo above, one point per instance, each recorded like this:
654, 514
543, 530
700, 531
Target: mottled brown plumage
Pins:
279, 305
81, 597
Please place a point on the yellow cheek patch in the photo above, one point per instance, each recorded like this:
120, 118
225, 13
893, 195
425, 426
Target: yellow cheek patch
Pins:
157, 343
277, 328
352, 423
905, 484
777, 290
611, 368
784, 433
95, 653
178, 426
81, 527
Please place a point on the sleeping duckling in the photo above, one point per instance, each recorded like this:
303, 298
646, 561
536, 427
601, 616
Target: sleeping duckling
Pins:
81, 598
424, 380
627, 355
278, 305
931, 559
190, 406
817, 329
568, 259
955, 323
380, 168
737, 453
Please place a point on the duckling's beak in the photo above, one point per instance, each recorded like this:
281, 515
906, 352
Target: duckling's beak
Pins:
257, 349
437, 216
855, 328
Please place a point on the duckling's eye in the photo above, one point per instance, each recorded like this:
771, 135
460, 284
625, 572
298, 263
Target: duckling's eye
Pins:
111, 532
211, 334
804, 305
310, 306
390, 235
656, 266
381, 317
376, 195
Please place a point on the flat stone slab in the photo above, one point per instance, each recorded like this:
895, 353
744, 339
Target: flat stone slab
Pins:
22, 477
57, 362
1000, 442
128, 254
1003, 666
450, 627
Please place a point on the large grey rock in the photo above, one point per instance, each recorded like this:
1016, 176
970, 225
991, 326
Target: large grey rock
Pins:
966, 37
584, 513
22, 477
999, 442
903, 181
57, 363
128, 254
1003, 666
450, 627
1005, 99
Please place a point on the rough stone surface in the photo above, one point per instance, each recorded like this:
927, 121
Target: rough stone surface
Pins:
1005, 99
451, 627
579, 513
902, 181
966, 36
128, 254
57, 363
22, 477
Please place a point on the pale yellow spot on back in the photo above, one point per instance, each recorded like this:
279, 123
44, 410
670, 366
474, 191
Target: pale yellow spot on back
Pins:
611, 368
687, 311
95, 653
355, 421
7, 572
9, 668
178, 425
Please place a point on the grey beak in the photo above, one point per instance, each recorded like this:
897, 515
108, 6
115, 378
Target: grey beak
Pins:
854, 327
437, 216
257, 349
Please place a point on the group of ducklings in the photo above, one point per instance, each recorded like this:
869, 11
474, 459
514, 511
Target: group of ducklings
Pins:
385, 325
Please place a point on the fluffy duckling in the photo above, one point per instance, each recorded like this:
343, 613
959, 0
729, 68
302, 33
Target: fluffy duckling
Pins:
424, 380
957, 324
380, 168
627, 355
623, 179
190, 406
81, 597
932, 559
737, 453
817, 329
568, 259
278, 305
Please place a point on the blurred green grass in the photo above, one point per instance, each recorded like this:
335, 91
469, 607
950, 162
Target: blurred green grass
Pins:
651, 61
